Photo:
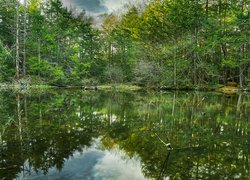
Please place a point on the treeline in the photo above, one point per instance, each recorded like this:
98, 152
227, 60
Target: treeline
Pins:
170, 43
45, 42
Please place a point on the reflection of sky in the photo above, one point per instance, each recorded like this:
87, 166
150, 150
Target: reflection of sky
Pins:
114, 166
93, 163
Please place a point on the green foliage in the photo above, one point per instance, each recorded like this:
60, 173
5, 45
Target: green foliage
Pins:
113, 74
147, 73
6, 63
57, 75
60, 46
173, 43
38, 66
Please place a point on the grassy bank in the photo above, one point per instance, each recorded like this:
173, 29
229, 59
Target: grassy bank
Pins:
119, 87
124, 87
21, 86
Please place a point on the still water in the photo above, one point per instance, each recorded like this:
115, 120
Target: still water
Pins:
73, 134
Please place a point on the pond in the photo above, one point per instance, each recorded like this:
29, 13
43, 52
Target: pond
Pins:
75, 134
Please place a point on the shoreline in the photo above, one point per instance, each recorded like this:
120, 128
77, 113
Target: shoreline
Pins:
124, 87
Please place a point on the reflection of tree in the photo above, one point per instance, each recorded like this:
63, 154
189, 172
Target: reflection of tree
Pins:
209, 138
164, 166
52, 131
203, 132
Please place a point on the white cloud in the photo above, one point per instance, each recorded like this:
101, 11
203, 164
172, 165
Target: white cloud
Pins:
98, 6
113, 5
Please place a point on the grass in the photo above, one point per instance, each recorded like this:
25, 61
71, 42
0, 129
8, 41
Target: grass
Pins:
119, 87
229, 89
18, 87
41, 86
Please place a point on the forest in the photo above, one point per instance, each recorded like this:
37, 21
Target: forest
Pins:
159, 43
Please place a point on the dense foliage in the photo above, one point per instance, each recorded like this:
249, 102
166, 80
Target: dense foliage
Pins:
172, 43
54, 44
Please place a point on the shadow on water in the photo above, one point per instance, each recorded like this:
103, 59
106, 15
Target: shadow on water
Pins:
71, 134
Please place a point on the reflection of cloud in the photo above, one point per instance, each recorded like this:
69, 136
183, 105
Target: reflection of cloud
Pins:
92, 163
113, 166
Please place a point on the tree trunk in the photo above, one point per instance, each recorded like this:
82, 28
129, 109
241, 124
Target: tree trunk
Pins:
17, 43
195, 56
248, 59
39, 56
58, 51
24, 38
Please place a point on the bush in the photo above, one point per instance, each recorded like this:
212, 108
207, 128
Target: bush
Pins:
147, 74
113, 74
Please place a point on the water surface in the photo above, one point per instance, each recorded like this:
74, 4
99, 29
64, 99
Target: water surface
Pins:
73, 134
